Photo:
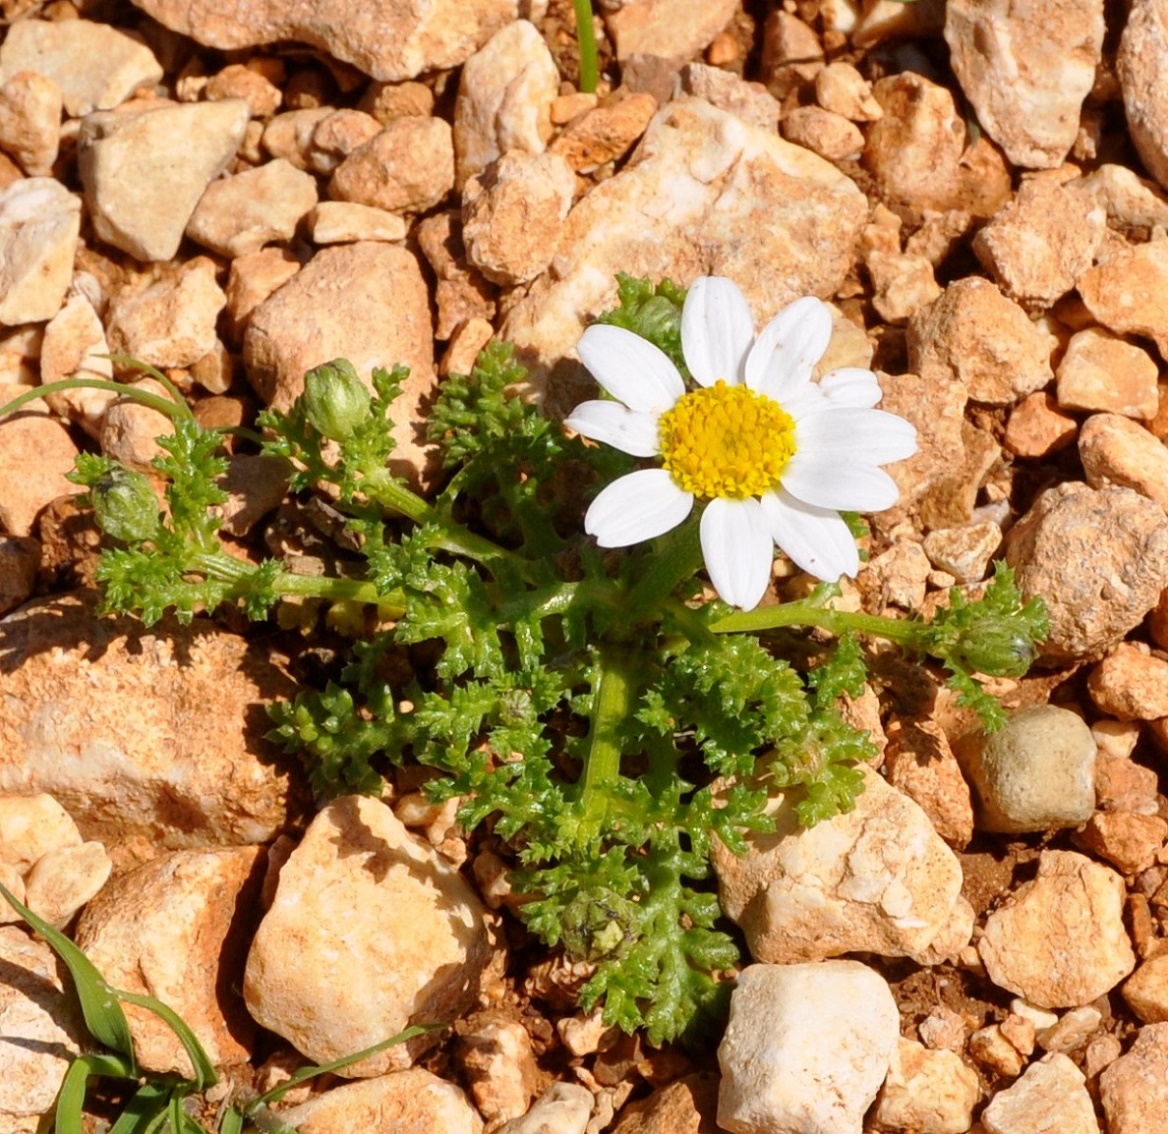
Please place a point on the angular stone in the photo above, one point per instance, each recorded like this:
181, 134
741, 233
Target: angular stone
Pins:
63, 880
839, 87
564, 1108
666, 28
341, 132
1060, 940
1101, 372
749, 101
408, 167
145, 170
1141, 64
1130, 684
605, 133
36, 454
932, 1092
73, 347
901, 285
1052, 1095
1128, 841
1026, 71
1128, 293
1118, 451
30, 120
919, 762
1134, 1089
30, 827
40, 222
685, 1106
362, 971
344, 222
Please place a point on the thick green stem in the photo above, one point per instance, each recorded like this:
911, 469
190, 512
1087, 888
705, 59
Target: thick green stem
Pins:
610, 706
676, 560
906, 632
586, 46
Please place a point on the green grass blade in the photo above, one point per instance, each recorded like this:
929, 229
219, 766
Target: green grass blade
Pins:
103, 1014
143, 1109
205, 1075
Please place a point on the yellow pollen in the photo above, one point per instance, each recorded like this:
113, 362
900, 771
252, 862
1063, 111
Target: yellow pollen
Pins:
726, 441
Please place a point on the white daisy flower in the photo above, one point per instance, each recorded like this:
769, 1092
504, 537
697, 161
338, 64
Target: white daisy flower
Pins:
776, 455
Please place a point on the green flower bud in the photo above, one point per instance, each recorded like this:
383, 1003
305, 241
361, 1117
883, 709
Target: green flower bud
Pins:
995, 646
125, 506
335, 399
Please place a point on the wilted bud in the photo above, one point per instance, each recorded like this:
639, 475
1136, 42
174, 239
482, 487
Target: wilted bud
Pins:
336, 399
125, 506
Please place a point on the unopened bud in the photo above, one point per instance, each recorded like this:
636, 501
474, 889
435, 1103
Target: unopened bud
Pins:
335, 399
125, 506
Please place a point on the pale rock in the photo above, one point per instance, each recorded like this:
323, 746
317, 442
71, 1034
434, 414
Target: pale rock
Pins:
1071, 1030
145, 170
751, 102
40, 221
513, 213
698, 179
361, 971
606, 133
1098, 557
990, 1048
504, 99
876, 879
1128, 293
464, 348
1141, 64
381, 37
568, 106
686, 1106
901, 284
240, 214
667, 28
806, 1048
1130, 842
20, 352
1052, 1095
30, 121
824, 132
187, 767
312, 319
944, 1030
20, 560
1117, 740
918, 156
41, 1031
1060, 940
581, 1035
95, 66
73, 347
462, 293
63, 880
964, 552
237, 80
1123, 785
408, 167
891, 19
1039, 245
899, 575
171, 324
1101, 1053
338, 134
130, 430
1020, 1031
253, 278
840, 88
345, 222
386, 101
412, 1100
919, 762
497, 1063
983, 339
1101, 372
1134, 1088
1026, 71
1129, 200
32, 826
1130, 684
1040, 1018
792, 54
564, 1108
1118, 451
931, 1092
14, 882
36, 455
939, 234
1034, 774
289, 135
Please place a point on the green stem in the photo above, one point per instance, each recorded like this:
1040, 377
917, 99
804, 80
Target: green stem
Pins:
173, 409
610, 706
674, 561
586, 46
903, 631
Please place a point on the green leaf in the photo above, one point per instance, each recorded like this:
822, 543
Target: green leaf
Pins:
142, 1111
204, 1069
99, 1005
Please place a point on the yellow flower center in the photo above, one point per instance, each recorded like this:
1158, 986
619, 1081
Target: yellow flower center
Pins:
726, 441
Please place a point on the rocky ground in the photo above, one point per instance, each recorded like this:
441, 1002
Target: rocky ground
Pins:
234, 193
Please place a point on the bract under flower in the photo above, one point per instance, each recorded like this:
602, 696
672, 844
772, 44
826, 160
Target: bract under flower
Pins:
775, 455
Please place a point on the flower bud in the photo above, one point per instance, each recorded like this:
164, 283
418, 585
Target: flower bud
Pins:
995, 646
125, 506
335, 399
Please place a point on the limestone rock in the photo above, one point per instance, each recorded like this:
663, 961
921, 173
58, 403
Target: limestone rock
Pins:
73, 345
1052, 1095
1134, 1089
39, 225
1098, 557
685, 1106
313, 319
145, 170
63, 880
336, 135
607, 132
513, 214
751, 102
839, 87
383, 38
240, 214
345, 222
1130, 684
901, 284
408, 167
30, 120
1129, 841
792, 55
130, 430
183, 769
496, 1061
1060, 940
932, 1092
1128, 293
806, 1048
1118, 451
564, 1108
1131, 201
413, 1100
665, 28
964, 552
824, 132
252, 279
32, 826
36, 454
1036, 428
698, 179
1026, 71
95, 66
1035, 774
876, 879
919, 762
504, 99
289, 136
1141, 65
1101, 372
363, 970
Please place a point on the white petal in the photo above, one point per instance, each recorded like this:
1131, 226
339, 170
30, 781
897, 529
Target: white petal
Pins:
816, 539
622, 428
789, 347
738, 550
636, 507
716, 330
826, 481
852, 386
630, 368
867, 436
